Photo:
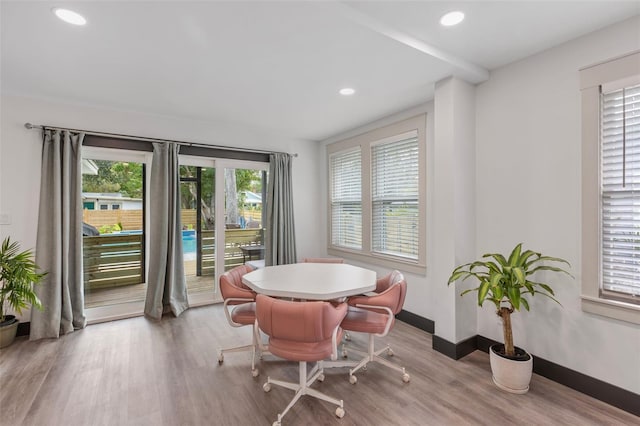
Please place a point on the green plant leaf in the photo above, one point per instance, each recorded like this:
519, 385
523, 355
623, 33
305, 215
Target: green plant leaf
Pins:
469, 291
547, 288
548, 268
482, 292
524, 303
498, 292
515, 255
514, 297
456, 275
520, 275
525, 256
553, 259
497, 256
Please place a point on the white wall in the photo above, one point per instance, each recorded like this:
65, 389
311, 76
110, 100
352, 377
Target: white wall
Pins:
20, 151
528, 190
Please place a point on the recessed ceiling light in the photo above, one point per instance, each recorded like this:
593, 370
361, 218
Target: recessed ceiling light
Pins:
69, 16
347, 91
452, 18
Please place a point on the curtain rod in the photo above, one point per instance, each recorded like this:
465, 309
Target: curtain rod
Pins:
145, 139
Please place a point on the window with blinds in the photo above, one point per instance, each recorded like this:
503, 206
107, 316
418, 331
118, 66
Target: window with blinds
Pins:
346, 199
394, 197
620, 192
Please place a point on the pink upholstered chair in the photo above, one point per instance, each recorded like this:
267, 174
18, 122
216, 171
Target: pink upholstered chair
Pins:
322, 260
375, 315
240, 310
382, 284
303, 332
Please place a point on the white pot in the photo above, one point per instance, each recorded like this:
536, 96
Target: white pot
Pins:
511, 375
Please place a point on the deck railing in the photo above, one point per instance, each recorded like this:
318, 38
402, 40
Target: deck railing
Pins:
114, 260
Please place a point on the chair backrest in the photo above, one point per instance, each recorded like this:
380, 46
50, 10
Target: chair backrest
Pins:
392, 298
385, 282
322, 260
231, 285
304, 322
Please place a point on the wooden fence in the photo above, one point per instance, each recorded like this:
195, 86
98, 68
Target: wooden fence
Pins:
131, 220
115, 260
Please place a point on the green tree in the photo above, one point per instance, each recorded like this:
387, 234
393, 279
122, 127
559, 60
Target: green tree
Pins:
115, 176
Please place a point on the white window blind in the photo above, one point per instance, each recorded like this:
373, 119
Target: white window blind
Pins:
346, 199
395, 213
620, 186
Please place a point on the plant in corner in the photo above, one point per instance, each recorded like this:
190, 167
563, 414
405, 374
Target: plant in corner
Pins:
507, 282
18, 274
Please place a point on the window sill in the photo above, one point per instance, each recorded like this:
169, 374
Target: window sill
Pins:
379, 261
622, 311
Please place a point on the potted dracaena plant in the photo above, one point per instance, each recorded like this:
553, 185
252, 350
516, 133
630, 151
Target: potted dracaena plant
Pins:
507, 283
18, 275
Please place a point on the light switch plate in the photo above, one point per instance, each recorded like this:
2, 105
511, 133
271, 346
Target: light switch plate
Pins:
5, 219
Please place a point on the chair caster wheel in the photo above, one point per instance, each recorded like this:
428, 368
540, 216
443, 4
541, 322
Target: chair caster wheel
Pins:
347, 337
344, 354
390, 352
255, 372
220, 359
266, 387
406, 377
353, 380
321, 378
339, 412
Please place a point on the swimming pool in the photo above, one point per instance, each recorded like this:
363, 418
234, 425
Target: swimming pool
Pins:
188, 242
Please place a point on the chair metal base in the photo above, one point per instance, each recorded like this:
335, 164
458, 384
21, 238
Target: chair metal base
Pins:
302, 388
255, 347
372, 356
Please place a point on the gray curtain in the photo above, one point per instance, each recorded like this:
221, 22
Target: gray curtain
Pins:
166, 283
59, 240
280, 239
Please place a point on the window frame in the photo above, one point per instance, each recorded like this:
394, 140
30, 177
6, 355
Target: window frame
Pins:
365, 142
593, 299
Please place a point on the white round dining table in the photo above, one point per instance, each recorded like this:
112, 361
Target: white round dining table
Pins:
311, 281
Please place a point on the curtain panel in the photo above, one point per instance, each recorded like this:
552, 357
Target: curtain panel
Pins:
59, 238
166, 282
280, 239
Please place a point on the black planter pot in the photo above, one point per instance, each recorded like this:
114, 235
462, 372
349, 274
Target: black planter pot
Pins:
8, 329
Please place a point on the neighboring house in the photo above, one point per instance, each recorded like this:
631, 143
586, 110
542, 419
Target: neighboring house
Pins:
109, 201
251, 199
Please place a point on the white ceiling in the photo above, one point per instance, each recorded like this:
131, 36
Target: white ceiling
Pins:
276, 65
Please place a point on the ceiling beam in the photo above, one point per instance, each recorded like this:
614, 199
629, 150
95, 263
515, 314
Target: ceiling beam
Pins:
465, 70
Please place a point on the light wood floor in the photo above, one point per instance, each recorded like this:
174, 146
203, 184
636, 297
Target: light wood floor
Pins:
139, 372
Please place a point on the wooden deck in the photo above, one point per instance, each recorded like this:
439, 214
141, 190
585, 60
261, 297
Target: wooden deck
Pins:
98, 297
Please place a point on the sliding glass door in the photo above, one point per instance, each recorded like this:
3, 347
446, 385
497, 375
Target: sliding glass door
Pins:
222, 220
244, 215
222, 226
197, 197
113, 229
